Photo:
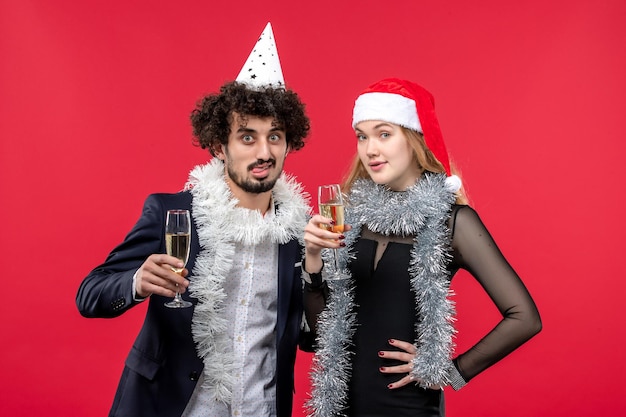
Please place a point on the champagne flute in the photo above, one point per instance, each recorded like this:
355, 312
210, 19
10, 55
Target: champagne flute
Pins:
330, 203
177, 243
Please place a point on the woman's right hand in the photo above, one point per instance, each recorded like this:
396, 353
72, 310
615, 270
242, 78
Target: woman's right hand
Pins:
316, 238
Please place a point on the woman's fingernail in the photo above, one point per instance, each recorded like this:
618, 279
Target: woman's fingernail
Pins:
342, 244
392, 341
342, 237
382, 369
381, 353
390, 386
332, 222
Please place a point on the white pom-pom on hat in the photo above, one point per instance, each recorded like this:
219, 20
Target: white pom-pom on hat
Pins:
453, 183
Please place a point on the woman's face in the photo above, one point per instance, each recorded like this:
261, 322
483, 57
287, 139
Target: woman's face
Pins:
386, 154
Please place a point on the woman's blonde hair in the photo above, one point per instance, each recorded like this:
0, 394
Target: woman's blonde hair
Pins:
422, 156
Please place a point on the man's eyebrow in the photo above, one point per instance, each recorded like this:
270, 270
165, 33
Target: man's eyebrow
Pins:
245, 129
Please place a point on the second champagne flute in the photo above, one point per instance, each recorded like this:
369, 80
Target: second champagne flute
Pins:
177, 244
330, 203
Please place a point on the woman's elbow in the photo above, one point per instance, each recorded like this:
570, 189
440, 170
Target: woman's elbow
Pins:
537, 324
534, 324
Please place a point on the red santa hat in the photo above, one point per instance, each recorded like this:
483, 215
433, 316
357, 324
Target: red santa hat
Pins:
406, 104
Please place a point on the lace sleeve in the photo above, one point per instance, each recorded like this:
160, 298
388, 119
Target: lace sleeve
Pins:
315, 298
475, 251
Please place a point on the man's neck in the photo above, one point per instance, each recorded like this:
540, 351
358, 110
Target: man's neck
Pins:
251, 201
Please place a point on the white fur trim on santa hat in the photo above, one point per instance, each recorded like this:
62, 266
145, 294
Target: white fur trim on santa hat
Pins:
388, 107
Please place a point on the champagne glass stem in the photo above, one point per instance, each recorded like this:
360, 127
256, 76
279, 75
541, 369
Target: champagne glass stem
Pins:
177, 299
336, 257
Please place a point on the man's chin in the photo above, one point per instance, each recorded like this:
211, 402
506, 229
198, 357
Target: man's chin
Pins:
258, 186
252, 184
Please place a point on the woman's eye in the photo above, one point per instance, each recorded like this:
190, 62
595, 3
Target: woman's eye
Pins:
384, 135
360, 137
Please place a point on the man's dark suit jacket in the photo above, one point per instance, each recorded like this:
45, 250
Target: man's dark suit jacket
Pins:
162, 367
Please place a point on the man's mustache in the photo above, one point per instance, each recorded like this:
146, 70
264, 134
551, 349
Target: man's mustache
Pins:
260, 162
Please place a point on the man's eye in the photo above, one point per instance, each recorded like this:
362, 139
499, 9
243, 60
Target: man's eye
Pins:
274, 138
247, 138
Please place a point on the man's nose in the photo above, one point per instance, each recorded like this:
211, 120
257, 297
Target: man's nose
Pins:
263, 149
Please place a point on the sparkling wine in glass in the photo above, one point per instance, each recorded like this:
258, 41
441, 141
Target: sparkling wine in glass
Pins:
330, 203
177, 243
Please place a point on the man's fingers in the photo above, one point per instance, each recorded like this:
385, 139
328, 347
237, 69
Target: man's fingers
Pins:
156, 276
158, 289
162, 259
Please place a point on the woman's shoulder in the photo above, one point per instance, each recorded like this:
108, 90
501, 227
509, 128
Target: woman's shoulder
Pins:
463, 209
463, 215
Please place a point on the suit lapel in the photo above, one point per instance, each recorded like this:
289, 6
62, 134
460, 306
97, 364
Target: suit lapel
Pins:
287, 255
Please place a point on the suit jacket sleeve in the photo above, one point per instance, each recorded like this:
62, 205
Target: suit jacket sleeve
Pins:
107, 290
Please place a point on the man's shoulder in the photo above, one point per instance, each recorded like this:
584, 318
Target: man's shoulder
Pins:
171, 197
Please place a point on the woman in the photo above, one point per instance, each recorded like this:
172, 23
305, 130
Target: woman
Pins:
384, 344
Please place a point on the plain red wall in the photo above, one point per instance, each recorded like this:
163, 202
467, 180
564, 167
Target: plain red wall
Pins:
94, 105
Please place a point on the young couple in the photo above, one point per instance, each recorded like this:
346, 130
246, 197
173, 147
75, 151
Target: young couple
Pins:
382, 331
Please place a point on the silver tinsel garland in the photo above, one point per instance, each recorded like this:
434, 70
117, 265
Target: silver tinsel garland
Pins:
220, 223
422, 211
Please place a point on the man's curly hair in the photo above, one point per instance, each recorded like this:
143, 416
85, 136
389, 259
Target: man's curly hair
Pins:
213, 114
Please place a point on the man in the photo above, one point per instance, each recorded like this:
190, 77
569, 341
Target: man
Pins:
233, 352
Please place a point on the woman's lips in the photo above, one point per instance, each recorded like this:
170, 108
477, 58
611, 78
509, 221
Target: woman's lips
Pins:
376, 166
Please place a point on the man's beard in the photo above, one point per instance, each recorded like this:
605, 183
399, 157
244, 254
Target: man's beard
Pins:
253, 186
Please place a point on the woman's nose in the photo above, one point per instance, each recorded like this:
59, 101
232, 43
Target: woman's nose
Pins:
372, 148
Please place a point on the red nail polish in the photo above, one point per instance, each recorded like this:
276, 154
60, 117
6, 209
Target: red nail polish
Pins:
332, 222
391, 341
381, 353
381, 369
342, 244
390, 386
342, 237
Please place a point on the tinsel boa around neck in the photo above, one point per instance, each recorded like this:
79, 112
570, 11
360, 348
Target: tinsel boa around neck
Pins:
220, 224
422, 212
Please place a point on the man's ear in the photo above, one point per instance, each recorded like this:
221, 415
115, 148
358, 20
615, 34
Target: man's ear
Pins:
219, 152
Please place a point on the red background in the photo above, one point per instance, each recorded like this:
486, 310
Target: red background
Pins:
94, 105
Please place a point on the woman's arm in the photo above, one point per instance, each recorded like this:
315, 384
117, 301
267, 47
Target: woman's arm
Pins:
316, 239
476, 251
